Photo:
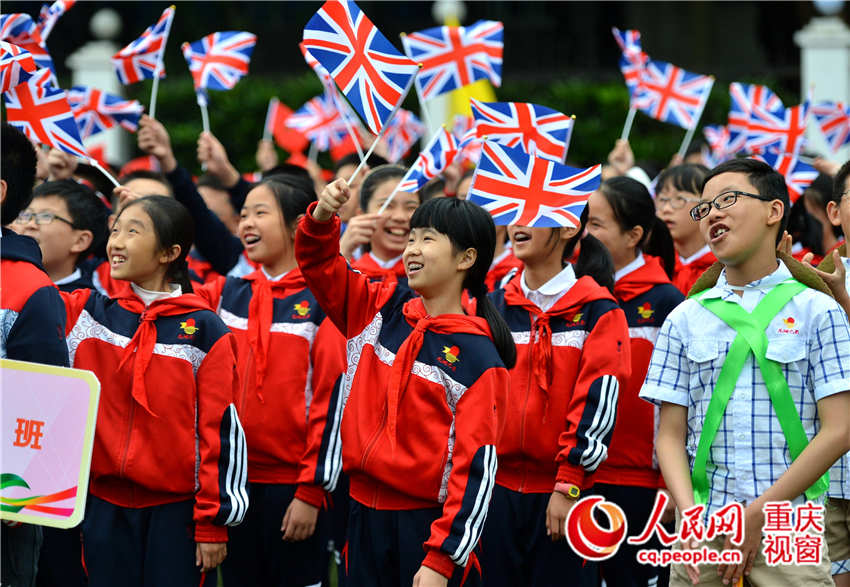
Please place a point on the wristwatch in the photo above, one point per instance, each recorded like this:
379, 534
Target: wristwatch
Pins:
570, 490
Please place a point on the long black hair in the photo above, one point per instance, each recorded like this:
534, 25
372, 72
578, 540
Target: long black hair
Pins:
467, 225
593, 257
172, 225
633, 206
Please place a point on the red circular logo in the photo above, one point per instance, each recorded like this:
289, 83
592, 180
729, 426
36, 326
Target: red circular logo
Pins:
584, 534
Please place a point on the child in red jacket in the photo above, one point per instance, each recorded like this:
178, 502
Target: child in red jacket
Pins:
290, 360
572, 358
426, 387
622, 217
169, 459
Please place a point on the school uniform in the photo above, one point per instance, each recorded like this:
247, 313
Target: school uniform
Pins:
630, 476
424, 404
32, 325
572, 358
200, 270
169, 461
370, 265
809, 338
689, 269
290, 359
501, 267
101, 278
80, 278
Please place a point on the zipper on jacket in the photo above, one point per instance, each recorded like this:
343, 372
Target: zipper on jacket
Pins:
370, 446
132, 412
532, 335
244, 395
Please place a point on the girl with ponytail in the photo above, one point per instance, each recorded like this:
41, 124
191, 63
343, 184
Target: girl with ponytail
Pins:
168, 436
572, 359
290, 359
622, 216
425, 391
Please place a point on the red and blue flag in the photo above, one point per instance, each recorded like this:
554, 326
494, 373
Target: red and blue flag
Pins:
402, 133
219, 60
140, 59
320, 121
671, 94
743, 98
16, 66
97, 111
834, 121
798, 175
540, 130
518, 188
432, 160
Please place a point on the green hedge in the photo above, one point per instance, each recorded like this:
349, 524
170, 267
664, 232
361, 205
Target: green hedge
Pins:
237, 116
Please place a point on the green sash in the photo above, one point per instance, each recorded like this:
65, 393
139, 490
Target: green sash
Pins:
751, 338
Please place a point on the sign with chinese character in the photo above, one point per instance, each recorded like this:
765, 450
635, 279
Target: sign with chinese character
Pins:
47, 418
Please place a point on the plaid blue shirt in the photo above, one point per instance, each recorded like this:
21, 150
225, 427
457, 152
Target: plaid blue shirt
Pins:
810, 337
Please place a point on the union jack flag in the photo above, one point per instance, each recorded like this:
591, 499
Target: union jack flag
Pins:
671, 94
287, 138
780, 130
432, 160
798, 175
632, 59
49, 15
16, 65
541, 131
717, 151
468, 143
20, 29
456, 56
319, 121
518, 188
402, 132
139, 60
744, 97
371, 73
219, 60
96, 111
43, 114
834, 121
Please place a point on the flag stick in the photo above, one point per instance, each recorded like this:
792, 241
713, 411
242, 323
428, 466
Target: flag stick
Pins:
383, 129
629, 120
392, 195
343, 113
96, 164
205, 117
267, 133
158, 70
569, 137
313, 152
686, 142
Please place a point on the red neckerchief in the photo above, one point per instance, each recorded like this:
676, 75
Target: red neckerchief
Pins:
367, 266
140, 348
260, 313
414, 312
641, 280
584, 290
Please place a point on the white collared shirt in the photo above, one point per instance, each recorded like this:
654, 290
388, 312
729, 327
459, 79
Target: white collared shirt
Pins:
385, 264
809, 337
77, 274
695, 256
149, 297
633, 266
545, 296
270, 278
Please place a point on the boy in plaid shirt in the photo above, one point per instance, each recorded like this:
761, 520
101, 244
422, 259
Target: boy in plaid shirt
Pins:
728, 399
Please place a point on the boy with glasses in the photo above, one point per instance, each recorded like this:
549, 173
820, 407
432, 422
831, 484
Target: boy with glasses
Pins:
68, 222
752, 377
677, 191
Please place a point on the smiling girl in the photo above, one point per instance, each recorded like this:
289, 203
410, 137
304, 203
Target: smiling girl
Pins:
290, 359
167, 469
426, 387
572, 359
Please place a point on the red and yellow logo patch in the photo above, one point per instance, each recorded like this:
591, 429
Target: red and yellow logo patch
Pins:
302, 308
645, 310
188, 327
451, 354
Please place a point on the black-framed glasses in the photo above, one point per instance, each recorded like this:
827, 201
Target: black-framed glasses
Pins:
721, 201
41, 218
676, 202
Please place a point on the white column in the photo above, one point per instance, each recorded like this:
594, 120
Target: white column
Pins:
91, 65
825, 65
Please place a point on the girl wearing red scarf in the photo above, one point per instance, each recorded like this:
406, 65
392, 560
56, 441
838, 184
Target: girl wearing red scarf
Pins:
426, 387
572, 358
168, 464
290, 359
622, 217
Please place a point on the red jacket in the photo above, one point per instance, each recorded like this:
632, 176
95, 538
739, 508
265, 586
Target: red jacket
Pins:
290, 360
571, 361
167, 428
425, 398
685, 276
646, 296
